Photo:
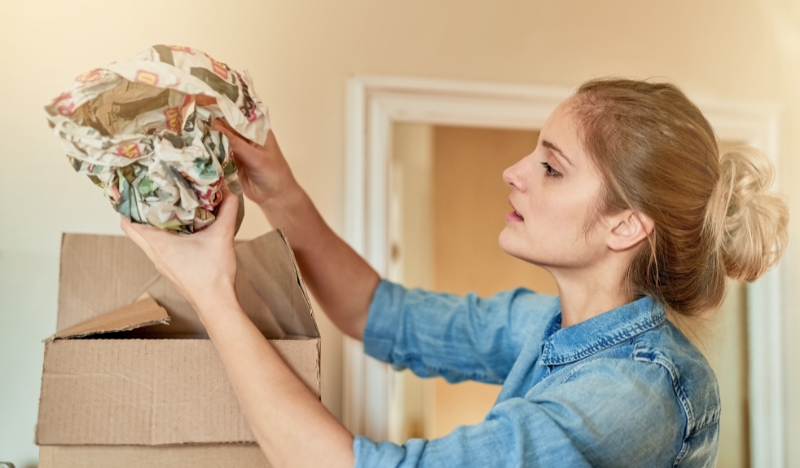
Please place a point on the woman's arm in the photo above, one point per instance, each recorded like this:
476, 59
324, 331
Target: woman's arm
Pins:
611, 412
342, 282
290, 424
456, 337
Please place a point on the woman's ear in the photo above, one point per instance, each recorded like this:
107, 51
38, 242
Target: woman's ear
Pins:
628, 228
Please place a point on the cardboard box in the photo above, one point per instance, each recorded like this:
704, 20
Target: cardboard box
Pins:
120, 456
131, 376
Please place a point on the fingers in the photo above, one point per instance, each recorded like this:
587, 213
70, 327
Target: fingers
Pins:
132, 231
246, 151
226, 214
148, 238
272, 143
223, 126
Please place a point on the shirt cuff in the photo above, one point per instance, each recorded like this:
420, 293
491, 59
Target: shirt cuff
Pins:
383, 320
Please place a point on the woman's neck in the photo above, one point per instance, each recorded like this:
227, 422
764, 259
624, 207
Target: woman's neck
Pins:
589, 292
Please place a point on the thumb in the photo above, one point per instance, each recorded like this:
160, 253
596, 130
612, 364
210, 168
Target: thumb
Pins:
133, 233
234, 136
228, 208
246, 151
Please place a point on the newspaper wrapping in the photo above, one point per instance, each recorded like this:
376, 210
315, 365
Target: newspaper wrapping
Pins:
141, 130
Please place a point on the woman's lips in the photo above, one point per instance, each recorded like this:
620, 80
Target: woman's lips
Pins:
513, 216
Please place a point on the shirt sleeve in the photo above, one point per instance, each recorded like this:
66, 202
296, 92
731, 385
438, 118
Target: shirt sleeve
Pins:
619, 414
456, 337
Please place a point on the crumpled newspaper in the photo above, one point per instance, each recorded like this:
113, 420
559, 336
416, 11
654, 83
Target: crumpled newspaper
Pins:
141, 130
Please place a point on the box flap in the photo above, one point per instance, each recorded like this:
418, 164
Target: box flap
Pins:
102, 273
274, 275
143, 312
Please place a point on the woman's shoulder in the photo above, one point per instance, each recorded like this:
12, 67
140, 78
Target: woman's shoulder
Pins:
692, 377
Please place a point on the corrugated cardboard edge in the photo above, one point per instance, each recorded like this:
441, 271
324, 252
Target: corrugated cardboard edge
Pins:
144, 312
302, 284
46, 457
299, 277
319, 366
177, 456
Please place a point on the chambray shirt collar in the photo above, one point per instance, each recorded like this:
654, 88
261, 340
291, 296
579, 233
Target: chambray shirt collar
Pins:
565, 345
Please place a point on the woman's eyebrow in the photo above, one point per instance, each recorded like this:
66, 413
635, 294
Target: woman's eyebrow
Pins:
555, 148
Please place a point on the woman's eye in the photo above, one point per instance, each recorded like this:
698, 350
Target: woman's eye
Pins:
549, 171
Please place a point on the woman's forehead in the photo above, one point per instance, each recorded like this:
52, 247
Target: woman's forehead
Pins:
560, 130
561, 119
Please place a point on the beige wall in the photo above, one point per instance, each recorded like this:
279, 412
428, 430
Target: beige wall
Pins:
300, 54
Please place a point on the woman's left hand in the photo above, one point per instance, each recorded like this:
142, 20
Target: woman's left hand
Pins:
293, 428
200, 266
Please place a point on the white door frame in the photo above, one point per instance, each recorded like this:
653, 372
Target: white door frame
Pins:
374, 103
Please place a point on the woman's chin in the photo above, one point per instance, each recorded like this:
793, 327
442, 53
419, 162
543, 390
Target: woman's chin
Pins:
507, 241
513, 245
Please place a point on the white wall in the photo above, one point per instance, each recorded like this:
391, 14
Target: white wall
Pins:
300, 54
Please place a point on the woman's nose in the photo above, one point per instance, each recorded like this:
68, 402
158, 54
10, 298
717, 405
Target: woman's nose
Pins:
514, 176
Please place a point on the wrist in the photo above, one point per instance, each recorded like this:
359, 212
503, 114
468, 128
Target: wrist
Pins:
287, 200
208, 301
288, 210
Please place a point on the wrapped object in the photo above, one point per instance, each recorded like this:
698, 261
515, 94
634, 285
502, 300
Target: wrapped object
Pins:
141, 130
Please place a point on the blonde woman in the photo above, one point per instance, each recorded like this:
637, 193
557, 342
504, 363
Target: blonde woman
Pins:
626, 201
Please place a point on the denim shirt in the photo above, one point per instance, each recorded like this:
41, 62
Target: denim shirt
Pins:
622, 389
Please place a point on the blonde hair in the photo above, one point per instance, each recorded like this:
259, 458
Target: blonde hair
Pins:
714, 215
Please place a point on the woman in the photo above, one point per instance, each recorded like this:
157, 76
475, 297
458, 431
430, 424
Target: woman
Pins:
625, 201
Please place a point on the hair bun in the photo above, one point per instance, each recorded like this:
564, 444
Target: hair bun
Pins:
749, 222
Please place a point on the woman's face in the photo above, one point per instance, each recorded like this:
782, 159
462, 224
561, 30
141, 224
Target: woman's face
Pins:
553, 194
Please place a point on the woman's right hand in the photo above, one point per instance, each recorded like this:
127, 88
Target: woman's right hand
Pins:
263, 171
341, 281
